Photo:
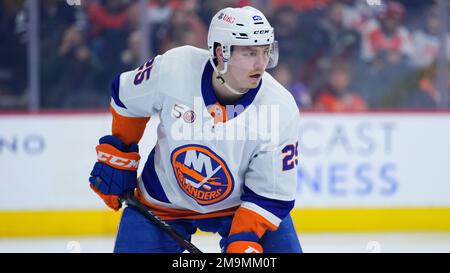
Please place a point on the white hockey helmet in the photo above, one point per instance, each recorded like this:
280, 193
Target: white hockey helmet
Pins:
244, 26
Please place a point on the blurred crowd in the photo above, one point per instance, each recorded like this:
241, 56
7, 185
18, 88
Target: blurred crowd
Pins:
335, 55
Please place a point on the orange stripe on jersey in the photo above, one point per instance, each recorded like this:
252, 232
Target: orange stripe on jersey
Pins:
173, 214
244, 247
128, 129
218, 112
246, 220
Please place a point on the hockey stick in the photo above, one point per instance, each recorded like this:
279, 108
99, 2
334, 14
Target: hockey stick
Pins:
131, 201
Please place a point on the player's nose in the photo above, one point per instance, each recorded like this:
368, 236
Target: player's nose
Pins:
260, 62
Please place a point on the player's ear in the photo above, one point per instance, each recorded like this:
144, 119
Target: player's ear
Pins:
219, 54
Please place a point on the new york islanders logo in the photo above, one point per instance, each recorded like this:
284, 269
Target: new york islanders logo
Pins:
202, 174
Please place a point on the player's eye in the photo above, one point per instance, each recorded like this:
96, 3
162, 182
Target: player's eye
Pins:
251, 53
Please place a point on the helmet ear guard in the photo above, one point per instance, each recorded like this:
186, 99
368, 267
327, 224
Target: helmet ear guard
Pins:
226, 53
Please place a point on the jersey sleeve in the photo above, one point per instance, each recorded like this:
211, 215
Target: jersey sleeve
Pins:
135, 97
270, 184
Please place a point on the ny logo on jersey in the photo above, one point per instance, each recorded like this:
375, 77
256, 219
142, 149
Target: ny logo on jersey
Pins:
202, 174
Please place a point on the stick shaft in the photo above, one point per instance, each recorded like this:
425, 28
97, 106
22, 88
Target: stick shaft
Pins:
131, 201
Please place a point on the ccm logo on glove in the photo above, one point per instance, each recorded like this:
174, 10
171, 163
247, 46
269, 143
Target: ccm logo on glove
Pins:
113, 157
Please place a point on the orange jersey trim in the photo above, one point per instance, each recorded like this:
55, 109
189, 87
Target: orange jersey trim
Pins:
128, 129
244, 247
246, 220
218, 112
174, 214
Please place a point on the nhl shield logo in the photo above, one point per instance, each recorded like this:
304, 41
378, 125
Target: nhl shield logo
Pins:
202, 174
189, 116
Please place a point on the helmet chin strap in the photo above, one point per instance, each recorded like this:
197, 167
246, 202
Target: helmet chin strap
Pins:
222, 80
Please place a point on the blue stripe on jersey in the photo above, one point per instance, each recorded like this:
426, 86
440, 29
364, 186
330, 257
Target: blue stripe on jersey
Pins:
278, 208
115, 92
151, 181
209, 97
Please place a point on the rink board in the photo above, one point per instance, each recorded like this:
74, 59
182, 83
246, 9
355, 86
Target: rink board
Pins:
101, 222
358, 172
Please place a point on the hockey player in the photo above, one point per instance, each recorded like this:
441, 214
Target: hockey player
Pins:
242, 188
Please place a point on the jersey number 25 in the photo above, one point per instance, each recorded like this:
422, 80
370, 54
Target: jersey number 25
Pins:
143, 72
290, 156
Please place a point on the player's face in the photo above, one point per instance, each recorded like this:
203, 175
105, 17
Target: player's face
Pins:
247, 65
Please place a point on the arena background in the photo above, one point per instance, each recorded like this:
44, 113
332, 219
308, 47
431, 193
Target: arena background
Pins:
370, 79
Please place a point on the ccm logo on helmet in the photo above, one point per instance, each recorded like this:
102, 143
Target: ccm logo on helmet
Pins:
117, 161
261, 31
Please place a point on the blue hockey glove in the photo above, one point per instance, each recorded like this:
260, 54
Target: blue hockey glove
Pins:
115, 171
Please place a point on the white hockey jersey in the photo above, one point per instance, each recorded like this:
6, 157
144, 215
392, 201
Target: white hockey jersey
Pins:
210, 159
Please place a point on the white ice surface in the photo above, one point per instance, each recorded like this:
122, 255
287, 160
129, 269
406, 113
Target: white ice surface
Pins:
311, 243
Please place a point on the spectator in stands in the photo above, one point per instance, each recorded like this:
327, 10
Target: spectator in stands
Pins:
111, 21
427, 94
329, 39
184, 25
106, 15
286, 25
386, 57
389, 61
159, 14
357, 13
386, 36
55, 18
303, 5
336, 94
379, 80
159, 11
74, 73
426, 40
283, 74
13, 55
131, 56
